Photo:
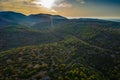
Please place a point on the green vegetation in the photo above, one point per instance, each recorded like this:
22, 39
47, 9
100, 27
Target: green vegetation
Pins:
71, 59
80, 49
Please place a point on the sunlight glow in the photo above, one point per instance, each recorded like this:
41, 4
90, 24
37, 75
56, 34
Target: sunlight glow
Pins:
47, 3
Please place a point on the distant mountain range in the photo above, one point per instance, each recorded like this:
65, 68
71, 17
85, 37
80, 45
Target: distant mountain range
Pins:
34, 24
37, 20
8, 18
116, 20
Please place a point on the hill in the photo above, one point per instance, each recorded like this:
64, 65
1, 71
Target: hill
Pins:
11, 18
68, 59
94, 31
16, 36
52, 47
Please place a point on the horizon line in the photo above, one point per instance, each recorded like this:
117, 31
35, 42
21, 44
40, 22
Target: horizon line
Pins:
70, 17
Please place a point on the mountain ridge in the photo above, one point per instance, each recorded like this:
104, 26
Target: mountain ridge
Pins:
39, 47
9, 17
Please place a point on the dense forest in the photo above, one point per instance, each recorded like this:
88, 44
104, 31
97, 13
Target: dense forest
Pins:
52, 47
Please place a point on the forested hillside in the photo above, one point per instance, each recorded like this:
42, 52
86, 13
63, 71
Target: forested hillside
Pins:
52, 47
70, 59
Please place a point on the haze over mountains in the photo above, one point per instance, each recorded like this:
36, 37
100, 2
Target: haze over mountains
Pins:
116, 20
9, 17
52, 47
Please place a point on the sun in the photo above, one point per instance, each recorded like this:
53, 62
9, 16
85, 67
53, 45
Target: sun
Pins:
47, 3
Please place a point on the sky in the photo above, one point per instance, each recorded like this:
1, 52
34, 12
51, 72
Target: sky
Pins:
68, 8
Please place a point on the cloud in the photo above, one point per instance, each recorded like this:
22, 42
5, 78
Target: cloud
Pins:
58, 3
65, 4
38, 3
54, 10
23, 6
35, 3
31, 6
81, 1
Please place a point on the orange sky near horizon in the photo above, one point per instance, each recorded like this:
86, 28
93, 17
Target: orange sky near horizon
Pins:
64, 8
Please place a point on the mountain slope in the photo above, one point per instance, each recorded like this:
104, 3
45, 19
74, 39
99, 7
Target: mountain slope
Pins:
15, 36
95, 32
68, 59
51, 47
91, 32
11, 18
